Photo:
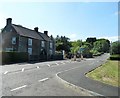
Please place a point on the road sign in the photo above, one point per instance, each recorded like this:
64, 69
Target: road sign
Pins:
82, 49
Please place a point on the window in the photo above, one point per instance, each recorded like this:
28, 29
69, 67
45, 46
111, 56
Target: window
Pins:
13, 40
51, 45
30, 51
42, 43
29, 42
51, 52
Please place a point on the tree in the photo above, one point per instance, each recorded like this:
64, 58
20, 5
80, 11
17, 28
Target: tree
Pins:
62, 43
75, 47
91, 40
102, 45
115, 47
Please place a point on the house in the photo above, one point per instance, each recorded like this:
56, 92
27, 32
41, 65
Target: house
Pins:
21, 39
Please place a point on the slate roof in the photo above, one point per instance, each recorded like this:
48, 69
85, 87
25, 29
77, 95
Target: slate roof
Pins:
44, 36
23, 31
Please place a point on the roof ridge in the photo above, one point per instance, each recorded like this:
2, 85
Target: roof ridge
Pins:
24, 27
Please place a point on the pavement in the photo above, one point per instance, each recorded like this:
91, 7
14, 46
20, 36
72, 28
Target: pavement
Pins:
77, 77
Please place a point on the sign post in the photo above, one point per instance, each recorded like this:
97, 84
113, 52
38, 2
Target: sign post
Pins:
81, 51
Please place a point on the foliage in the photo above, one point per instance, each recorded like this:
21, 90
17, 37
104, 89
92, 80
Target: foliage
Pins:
101, 45
86, 52
115, 47
62, 43
14, 57
115, 57
76, 46
91, 40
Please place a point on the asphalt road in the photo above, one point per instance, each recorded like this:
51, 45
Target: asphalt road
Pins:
77, 77
39, 79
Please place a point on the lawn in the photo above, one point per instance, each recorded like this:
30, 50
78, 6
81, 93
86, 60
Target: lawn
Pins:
107, 73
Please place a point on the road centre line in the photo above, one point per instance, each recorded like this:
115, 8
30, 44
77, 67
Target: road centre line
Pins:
42, 80
48, 65
23, 69
38, 67
5, 72
56, 63
19, 88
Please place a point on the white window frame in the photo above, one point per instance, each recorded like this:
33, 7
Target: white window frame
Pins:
29, 42
42, 43
30, 51
13, 40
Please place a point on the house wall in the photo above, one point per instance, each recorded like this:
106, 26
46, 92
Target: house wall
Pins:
23, 44
7, 34
36, 47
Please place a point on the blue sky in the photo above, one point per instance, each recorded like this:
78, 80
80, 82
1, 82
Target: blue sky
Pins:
76, 20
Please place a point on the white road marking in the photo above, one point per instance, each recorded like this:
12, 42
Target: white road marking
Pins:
56, 63
43, 79
48, 65
5, 72
23, 69
62, 62
38, 67
19, 88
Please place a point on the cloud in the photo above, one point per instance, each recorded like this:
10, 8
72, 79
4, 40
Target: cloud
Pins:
73, 37
112, 38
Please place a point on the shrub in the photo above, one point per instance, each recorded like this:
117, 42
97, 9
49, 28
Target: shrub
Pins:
14, 57
115, 57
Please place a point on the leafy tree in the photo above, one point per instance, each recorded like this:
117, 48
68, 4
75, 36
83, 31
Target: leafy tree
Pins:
102, 45
91, 40
75, 47
115, 47
62, 43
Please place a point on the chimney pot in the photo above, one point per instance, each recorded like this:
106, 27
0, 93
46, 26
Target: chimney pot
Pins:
46, 33
9, 21
36, 29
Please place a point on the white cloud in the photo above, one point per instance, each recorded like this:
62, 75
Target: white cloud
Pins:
111, 38
73, 37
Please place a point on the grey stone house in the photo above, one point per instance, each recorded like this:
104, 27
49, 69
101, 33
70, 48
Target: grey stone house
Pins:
21, 39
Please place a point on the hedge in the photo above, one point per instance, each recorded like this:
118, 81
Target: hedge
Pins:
57, 57
115, 57
14, 57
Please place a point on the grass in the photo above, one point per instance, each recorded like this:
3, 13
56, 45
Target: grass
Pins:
107, 73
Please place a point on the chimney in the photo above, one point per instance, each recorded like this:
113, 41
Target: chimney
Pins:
46, 33
36, 29
9, 21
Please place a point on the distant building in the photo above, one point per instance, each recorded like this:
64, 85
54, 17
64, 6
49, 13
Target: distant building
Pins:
21, 39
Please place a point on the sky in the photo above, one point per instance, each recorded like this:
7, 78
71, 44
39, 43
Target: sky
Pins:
75, 20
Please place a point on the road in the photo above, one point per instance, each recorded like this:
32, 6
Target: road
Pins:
39, 79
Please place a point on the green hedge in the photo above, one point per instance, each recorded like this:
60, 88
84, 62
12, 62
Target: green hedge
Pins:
14, 57
115, 57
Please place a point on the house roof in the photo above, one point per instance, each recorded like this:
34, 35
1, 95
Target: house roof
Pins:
44, 36
23, 31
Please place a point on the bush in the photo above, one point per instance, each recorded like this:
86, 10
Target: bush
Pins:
115, 57
14, 57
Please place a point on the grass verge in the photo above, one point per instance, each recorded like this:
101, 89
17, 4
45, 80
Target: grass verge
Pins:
107, 73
